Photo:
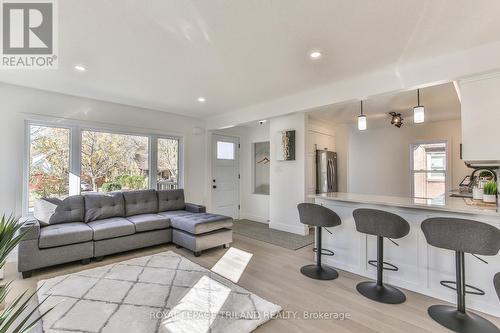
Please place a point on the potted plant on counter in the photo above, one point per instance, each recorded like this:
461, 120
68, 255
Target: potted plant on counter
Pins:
490, 190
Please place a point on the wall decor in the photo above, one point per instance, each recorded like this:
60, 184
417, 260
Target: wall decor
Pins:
286, 146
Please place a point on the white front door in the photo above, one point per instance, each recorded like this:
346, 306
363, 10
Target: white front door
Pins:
225, 175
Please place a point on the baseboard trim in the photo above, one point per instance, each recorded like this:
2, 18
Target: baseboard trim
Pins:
256, 218
294, 229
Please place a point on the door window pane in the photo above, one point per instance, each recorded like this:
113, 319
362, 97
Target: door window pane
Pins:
48, 163
112, 162
225, 150
429, 170
168, 164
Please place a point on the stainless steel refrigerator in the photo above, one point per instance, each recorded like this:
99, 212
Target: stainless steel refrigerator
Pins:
326, 171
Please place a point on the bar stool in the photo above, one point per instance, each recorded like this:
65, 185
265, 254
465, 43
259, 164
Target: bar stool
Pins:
496, 282
320, 217
381, 224
461, 236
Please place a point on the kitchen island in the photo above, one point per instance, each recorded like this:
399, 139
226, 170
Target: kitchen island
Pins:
421, 267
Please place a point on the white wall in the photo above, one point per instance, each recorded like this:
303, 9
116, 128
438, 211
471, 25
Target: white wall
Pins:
288, 185
378, 159
342, 133
20, 104
253, 206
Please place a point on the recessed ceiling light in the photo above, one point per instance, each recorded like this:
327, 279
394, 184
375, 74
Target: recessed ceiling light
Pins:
315, 55
201, 99
80, 68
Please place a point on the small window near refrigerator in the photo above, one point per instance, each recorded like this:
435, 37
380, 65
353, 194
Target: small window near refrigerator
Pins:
429, 169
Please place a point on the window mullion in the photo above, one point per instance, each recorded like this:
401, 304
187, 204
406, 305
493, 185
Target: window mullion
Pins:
75, 161
153, 161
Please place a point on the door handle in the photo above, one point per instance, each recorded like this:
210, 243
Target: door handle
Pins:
328, 175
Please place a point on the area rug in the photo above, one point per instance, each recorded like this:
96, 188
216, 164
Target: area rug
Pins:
262, 232
164, 293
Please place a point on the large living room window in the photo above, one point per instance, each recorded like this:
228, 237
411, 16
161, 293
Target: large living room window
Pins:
112, 162
66, 159
167, 171
49, 151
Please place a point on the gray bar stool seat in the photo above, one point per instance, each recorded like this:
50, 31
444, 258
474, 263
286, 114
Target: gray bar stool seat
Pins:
496, 282
461, 236
383, 225
320, 217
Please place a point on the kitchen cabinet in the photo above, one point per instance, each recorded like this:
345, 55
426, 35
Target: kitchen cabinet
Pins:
480, 99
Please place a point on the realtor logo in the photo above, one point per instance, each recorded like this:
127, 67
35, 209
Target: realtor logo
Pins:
28, 34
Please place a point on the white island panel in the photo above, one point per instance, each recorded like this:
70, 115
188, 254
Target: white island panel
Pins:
421, 267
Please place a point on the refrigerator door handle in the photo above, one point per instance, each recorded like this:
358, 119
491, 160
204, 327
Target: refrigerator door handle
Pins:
330, 185
328, 174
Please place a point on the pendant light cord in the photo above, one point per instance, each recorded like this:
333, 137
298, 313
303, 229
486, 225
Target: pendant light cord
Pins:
418, 97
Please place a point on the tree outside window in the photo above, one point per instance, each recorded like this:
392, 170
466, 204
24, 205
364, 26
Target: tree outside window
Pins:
48, 163
168, 164
108, 162
112, 162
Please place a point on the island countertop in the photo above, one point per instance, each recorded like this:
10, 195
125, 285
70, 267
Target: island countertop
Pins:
446, 204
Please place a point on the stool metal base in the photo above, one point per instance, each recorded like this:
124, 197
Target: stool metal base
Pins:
383, 294
319, 272
460, 322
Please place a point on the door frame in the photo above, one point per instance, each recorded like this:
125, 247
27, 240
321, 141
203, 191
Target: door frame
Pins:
213, 152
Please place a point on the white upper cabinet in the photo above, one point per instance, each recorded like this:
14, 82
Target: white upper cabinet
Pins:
480, 99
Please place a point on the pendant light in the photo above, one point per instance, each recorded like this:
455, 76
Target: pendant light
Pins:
397, 119
361, 119
418, 111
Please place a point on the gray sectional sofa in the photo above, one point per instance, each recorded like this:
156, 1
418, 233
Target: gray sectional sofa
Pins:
94, 225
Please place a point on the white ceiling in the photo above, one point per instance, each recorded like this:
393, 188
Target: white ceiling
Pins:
441, 103
165, 54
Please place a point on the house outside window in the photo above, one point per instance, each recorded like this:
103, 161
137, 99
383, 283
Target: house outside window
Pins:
429, 169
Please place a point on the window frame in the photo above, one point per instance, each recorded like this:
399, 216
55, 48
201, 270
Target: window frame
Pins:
27, 158
413, 172
75, 151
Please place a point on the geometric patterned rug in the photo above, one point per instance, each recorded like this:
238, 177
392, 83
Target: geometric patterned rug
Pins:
164, 293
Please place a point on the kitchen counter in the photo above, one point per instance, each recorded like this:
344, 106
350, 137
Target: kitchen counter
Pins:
446, 204
421, 266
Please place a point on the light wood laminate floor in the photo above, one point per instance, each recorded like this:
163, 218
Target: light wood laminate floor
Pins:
273, 273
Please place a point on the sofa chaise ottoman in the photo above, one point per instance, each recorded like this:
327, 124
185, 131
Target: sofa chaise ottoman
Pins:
93, 225
199, 231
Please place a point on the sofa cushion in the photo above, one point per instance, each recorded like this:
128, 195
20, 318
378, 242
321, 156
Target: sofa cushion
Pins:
171, 200
64, 234
172, 213
111, 228
200, 223
140, 202
103, 206
53, 211
147, 222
